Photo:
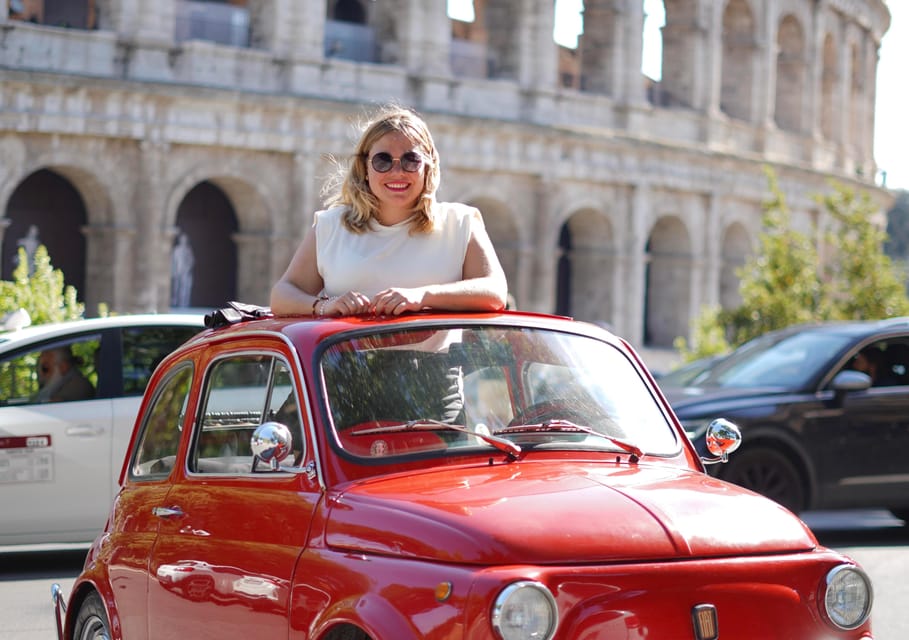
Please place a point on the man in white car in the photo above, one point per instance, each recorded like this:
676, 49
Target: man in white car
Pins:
59, 378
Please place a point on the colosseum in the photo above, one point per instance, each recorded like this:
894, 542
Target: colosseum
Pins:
132, 128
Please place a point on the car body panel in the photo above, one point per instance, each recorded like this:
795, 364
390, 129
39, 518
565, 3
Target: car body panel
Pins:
420, 542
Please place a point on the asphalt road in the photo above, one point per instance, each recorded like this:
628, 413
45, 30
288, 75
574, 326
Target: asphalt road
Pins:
873, 538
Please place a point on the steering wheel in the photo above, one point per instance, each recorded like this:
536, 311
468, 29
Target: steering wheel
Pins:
555, 409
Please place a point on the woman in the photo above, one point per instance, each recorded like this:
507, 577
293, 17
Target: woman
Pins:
385, 245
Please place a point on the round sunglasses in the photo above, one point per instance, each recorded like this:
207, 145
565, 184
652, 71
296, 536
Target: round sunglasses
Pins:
411, 162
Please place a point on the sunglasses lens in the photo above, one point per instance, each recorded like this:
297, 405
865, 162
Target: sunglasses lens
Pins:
382, 162
411, 161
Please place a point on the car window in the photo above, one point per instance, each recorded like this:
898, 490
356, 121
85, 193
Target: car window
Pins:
791, 362
886, 362
61, 371
394, 393
163, 425
241, 392
144, 348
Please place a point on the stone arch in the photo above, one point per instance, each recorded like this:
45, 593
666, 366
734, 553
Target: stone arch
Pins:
585, 264
667, 286
47, 208
735, 249
227, 220
829, 82
96, 234
204, 251
739, 47
503, 231
790, 74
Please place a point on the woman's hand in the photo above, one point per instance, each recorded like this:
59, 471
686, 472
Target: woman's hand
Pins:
394, 302
351, 303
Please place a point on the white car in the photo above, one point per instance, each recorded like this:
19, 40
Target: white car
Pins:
60, 458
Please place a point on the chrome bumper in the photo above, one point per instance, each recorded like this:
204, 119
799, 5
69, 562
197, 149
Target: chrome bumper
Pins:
59, 608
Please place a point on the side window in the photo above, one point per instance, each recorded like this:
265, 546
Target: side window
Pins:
55, 372
162, 427
242, 392
144, 348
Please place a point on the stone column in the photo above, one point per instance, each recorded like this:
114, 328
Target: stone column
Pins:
766, 86
542, 297
151, 262
288, 28
603, 48
685, 54
538, 52
632, 325
4, 15
110, 255
413, 34
253, 251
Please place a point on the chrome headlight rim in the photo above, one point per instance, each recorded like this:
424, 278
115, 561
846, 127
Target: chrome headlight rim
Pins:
501, 602
833, 583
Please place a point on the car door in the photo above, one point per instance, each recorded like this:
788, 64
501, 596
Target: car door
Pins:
230, 537
55, 464
865, 441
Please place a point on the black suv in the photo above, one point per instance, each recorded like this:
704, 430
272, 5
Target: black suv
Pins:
824, 414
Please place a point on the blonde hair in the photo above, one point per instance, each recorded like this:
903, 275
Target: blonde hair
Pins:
349, 187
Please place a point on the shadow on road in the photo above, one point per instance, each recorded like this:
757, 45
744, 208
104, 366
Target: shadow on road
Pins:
854, 528
41, 564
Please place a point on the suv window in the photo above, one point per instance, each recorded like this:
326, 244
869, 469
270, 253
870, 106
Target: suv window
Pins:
62, 371
241, 393
157, 448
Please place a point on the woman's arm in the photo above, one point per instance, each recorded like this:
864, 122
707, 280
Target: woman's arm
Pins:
298, 289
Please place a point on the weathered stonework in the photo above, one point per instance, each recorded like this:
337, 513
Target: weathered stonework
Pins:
607, 198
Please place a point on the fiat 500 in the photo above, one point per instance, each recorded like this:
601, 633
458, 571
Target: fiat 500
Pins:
439, 476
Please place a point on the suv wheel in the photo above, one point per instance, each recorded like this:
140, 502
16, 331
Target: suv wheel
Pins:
768, 472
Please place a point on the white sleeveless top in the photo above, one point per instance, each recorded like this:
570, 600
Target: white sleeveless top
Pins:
384, 257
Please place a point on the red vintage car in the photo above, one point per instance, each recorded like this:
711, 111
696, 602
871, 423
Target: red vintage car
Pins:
439, 476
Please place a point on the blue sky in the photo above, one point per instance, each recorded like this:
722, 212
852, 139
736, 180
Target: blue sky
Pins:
891, 132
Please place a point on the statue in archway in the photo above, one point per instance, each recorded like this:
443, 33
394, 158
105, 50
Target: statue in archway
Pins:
181, 272
30, 242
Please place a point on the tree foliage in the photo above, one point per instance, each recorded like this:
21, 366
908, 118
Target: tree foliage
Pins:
789, 282
40, 291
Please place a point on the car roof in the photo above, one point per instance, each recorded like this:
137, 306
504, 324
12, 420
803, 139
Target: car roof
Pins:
13, 339
305, 329
858, 327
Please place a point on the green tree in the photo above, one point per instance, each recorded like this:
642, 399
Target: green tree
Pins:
42, 293
862, 281
787, 283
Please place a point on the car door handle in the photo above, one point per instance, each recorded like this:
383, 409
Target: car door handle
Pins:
84, 430
167, 512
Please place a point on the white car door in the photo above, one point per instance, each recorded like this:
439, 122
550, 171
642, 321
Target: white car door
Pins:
55, 466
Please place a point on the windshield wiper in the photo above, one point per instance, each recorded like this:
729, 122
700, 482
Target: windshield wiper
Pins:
554, 426
427, 424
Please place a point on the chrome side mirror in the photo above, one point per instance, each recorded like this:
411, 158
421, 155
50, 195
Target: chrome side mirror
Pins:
271, 443
723, 437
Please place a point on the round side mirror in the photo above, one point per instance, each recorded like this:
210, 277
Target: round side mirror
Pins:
723, 437
271, 443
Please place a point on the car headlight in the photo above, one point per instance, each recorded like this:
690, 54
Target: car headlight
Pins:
847, 596
525, 609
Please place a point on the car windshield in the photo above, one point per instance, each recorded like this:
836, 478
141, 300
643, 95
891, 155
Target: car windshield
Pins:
445, 390
787, 363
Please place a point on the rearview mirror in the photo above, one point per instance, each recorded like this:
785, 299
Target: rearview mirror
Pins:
722, 437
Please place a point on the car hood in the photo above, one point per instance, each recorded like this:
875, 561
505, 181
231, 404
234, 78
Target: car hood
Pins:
540, 513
